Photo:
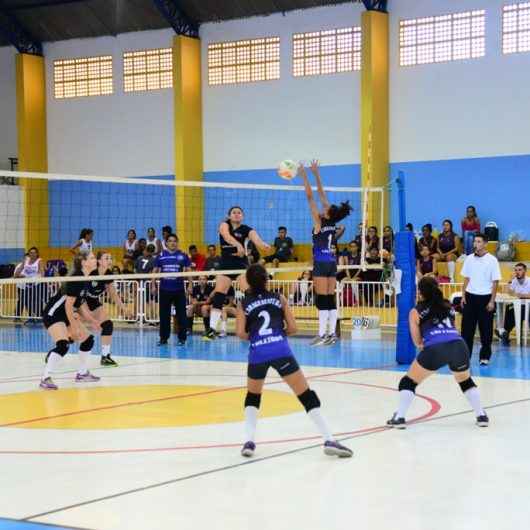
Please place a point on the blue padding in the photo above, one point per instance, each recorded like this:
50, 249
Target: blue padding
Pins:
406, 262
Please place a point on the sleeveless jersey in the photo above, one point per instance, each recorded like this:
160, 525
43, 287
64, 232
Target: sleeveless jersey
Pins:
130, 247
388, 243
31, 270
201, 293
426, 267
431, 243
79, 290
97, 288
434, 331
86, 246
446, 241
240, 234
153, 242
265, 326
323, 242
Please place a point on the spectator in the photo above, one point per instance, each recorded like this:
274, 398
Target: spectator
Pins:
116, 270
428, 240
84, 243
142, 243
198, 261
470, 227
30, 295
166, 232
213, 261
426, 265
301, 291
481, 274
145, 263
129, 247
520, 288
253, 254
448, 243
153, 240
351, 256
359, 236
372, 293
410, 228
388, 242
283, 248
229, 310
372, 240
200, 303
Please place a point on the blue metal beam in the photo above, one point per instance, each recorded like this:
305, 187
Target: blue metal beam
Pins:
182, 24
376, 5
17, 35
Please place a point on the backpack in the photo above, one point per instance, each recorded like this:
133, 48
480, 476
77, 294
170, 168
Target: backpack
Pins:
491, 231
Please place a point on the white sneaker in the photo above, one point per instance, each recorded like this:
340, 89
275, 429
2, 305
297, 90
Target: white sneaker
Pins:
318, 341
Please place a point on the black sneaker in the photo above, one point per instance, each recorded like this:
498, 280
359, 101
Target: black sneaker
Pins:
107, 360
396, 423
181, 343
483, 421
484, 362
248, 449
162, 343
210, 335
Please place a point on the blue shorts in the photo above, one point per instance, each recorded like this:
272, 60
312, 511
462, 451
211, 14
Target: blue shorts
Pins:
325, 269
283, 365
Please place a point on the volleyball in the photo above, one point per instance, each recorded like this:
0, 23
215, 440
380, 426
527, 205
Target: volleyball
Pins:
287, 169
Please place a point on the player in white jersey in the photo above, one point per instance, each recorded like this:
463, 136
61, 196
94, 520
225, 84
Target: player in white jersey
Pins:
30, 294
85, 242
151, 239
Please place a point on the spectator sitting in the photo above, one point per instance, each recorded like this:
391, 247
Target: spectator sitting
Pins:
153, 240
359, 236
520, 288
388, 242
428, 240
426, 265
350, 256
448, 243
145, 263
84, 243
166, 232
142, 243
283, 246
229, 310
198, 261
129, 247
410, 228
301, 291
372, 240
200, 303
116, 270
213, 261
372, 275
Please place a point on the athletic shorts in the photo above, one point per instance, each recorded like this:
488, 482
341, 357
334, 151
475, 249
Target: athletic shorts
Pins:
93, 303
283, 365
325, 269
58, 316
229, 263
454, 353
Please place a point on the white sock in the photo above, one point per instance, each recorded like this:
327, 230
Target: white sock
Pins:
251, 420
332, 321
105, 350
215, 316
321, 424
51, 364
223, 326
501, 331
84, 356
473, 397
405, 399
451, 269
323, 317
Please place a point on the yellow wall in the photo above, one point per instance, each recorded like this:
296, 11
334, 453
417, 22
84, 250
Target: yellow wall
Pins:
32, 145
188, 139
375, 109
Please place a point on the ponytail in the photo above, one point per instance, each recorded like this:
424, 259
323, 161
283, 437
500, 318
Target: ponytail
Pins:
439, 307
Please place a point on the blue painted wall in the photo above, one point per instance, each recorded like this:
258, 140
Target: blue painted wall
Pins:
109, 209
499, 187
266, 210
11, 255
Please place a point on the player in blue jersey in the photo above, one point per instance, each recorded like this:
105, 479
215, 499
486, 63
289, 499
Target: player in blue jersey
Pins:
234, 237
325, 231
264, 319
433, 331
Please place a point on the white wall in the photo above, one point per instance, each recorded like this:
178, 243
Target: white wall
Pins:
460, 109
12, 218
126, 134
252, 126
8, 106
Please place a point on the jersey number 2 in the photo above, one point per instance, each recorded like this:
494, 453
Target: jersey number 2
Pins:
265, 330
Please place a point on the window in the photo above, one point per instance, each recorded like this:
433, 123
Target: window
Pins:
516, 28
442, 38
244, 61
327, 52
147, 70
81, 77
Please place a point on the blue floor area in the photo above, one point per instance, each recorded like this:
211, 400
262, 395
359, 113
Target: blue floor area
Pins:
12, 524
508, 363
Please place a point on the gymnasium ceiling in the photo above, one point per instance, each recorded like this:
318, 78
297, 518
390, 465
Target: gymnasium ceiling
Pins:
53, 20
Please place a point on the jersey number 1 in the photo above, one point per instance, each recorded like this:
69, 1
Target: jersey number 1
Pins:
265, 330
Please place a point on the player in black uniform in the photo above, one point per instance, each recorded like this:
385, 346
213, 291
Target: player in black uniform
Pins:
234, 237
265, 319
325, 233
97, 309
63, 324
200, 303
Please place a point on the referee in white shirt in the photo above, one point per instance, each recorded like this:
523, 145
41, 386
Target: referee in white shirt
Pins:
481, 274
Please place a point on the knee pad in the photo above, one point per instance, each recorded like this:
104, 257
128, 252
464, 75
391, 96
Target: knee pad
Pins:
466, 385
253, 400
321, 302
309, 400
87, 344
61, 348
107, 328
407, 383
332, 302
218, 300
